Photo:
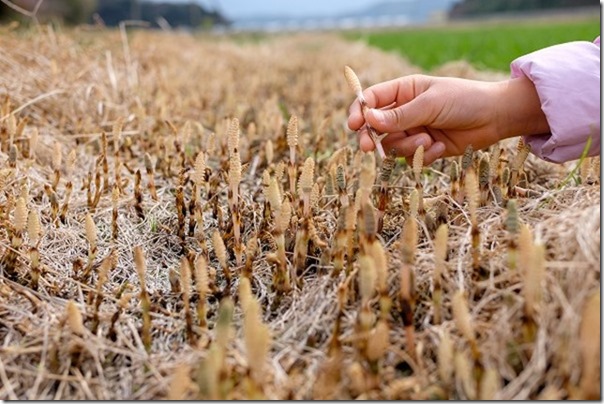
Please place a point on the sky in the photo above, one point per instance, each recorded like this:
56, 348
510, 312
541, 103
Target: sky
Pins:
236, 9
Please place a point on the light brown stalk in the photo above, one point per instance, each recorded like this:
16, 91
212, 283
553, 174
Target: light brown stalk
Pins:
473, 196
141, 270
383, 195
407, 292
91, 236
512, 226
34, 230
292, 142
355, 85
9, 260
440, 254
138, 196
234, 178
185, 281
106, 265
149, 168
202, 284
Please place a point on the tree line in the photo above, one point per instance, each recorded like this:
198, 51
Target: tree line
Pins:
470, 8
112, 12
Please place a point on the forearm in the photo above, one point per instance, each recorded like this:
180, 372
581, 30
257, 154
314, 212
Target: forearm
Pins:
519, 110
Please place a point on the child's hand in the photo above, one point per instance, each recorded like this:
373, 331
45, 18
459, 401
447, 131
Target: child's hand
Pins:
447, 114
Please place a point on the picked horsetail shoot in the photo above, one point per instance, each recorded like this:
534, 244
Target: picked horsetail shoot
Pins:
188, 216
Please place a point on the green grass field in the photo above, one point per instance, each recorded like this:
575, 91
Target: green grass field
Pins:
491, 46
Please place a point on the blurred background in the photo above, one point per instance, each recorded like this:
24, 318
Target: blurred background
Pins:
486, 33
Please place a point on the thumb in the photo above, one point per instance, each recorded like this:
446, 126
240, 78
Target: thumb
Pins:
410, 115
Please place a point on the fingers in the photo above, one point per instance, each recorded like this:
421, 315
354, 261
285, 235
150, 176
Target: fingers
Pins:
405, 145
436, 151
415, 113
355, 116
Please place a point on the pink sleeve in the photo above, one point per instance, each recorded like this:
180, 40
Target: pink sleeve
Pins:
567, 79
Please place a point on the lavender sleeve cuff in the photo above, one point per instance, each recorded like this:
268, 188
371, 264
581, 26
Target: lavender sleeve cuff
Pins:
567, 79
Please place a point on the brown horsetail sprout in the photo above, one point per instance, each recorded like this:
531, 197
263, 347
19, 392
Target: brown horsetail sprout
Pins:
65, 207
366, 179
472, 194
269, 153
185, 281
122, 303
522, 152
141, 270
198, 180
104, 162
305, 184
440, 256
341, 186
150, 174
91, 236
494, 162
338, 248
221, 255
33, 143
355, 85
115, 198
383, 196
234, 178
74, 318
351, 223
463, 321
174, 279
292, 142
34, 230
512, 226
490, 384
467, 161
222, 337
414, 204
445, 357
181, 210
251, 249
377, 252
106, 265
202, 284
484, 179
407, 292
180, 383
9, 260
590, 345
366, 317
57, 159
13, 152
418, 165
454, 177
54, 203
463, 374
256, 334
138, 195
532, 266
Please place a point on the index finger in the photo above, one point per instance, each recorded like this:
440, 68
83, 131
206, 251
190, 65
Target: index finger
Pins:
398, 91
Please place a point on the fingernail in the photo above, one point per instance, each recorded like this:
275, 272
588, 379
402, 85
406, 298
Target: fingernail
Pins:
439, 148
422, 141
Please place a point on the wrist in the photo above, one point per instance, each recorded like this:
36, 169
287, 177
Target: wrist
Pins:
519, 109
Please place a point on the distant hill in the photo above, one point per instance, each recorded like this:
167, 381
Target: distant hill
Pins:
176, 14
471, 8
112, 12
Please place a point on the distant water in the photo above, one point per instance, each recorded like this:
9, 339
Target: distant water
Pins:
281, 24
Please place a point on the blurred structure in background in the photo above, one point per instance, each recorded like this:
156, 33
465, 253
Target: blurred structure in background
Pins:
112, 12
222, 16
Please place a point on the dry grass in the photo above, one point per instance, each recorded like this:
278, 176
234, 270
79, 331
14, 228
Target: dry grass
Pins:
162, 98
